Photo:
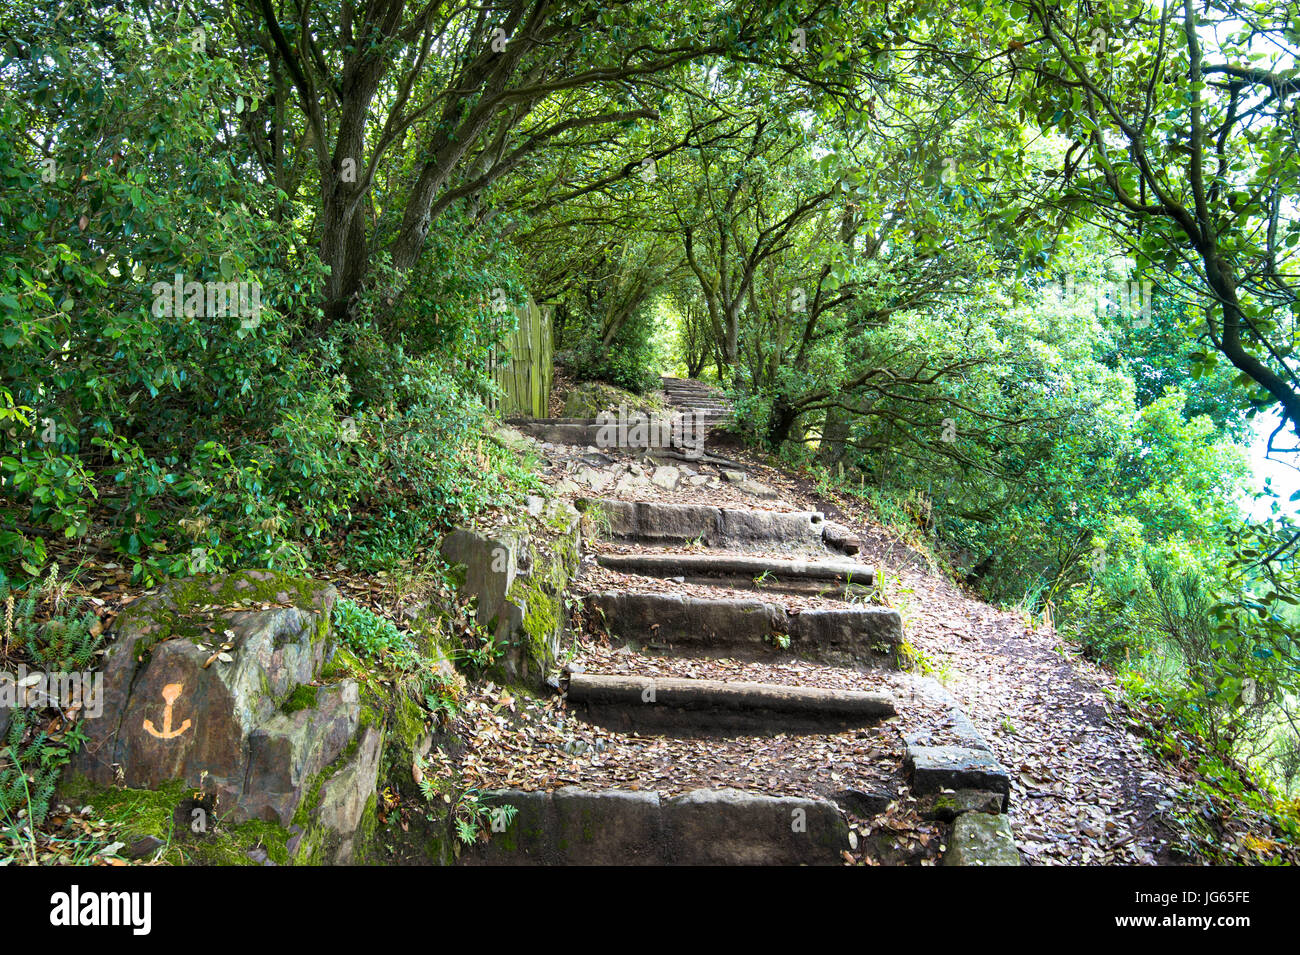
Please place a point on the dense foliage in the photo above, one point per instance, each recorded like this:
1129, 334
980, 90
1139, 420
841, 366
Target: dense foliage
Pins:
188, 439
1021, 275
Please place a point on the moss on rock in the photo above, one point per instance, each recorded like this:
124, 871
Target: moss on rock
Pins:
301, 697
181, 607
587, 399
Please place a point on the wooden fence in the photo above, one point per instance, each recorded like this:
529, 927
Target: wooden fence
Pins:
525, 372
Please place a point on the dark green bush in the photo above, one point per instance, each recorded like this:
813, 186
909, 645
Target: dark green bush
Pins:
191, 443
628, 361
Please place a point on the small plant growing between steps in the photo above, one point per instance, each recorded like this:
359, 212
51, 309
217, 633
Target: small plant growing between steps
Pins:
889, 592
596, 521
782, 640
475, 820
916, 660
471, 819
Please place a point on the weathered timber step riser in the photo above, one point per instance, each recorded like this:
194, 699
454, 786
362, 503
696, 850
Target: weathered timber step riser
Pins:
713, 707
738, 627
715, 526
705, 827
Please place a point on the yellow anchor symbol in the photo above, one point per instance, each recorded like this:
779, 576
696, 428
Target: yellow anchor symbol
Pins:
170, 693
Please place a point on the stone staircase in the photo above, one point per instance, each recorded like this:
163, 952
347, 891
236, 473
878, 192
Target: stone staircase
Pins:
693, 409
685, 394
743, 641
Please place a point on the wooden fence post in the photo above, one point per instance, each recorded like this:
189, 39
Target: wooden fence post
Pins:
525, 374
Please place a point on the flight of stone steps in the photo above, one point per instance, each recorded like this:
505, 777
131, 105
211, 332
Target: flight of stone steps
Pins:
687, 395
692, 410
746, 649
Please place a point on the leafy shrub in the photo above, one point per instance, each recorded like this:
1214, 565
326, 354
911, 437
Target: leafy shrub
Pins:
364, 631
1204, 647
195, 443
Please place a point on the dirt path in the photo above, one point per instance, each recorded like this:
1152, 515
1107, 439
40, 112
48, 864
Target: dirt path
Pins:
1086, 790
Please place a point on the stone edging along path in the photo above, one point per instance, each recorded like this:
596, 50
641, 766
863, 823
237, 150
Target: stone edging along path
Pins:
698, 608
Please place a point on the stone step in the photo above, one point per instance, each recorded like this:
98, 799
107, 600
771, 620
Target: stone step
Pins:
697, 401
709, 414
934, 769
574, 826
670, 385
747, 628
828, 577
655, 523
588, 434
709, 707
980, 839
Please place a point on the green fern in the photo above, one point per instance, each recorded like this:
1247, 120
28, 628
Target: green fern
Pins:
30, 762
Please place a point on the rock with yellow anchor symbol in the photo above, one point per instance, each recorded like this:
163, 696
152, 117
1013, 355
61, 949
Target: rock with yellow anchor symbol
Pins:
171, 693
179, 706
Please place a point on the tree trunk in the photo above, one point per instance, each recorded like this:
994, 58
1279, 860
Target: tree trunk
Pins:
731, 346
781, 423
835, 435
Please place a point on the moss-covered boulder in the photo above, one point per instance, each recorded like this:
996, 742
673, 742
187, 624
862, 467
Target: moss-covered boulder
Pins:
589, 398
214, 684
517, 576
